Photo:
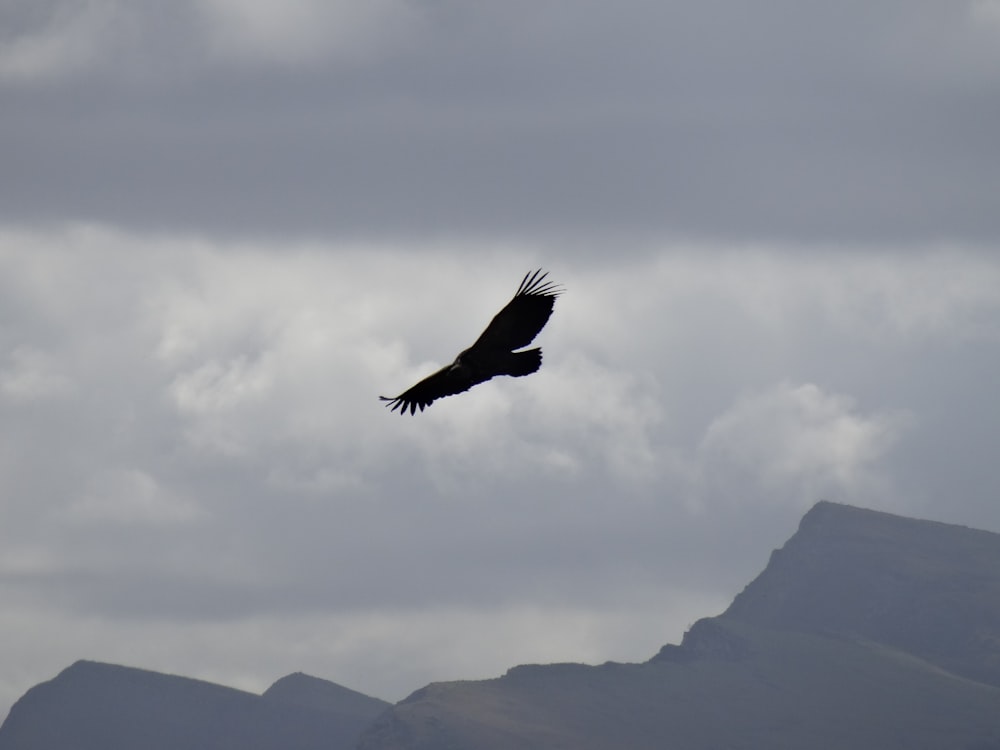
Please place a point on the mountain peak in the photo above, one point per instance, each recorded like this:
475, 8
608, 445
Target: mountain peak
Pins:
866, 630
322, 695
928, 588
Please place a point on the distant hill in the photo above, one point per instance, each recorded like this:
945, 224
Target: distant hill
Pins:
866, 631
322, 695
94, 706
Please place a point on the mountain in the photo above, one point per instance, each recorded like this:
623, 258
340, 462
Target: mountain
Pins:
94, 706
866, 630
928, 589
322, 695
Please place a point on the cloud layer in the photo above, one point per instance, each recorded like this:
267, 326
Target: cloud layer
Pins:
225, 228
193, 443
397, 119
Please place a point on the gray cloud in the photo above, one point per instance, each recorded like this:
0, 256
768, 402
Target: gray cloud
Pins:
224, 229
193, 441
784, 121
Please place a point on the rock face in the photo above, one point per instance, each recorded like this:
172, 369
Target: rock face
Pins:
928, 589
866, 631
94, 706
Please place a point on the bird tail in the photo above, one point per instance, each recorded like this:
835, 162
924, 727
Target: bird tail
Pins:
523, 363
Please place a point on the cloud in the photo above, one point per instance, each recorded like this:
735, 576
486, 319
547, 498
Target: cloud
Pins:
986, 12
386, 654
917, 294
304, 31
31, 374
208, 456
394, 120
129, 497
797, 444
226, 227
53, 38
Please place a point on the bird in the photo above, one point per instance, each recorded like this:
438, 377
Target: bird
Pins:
495, 351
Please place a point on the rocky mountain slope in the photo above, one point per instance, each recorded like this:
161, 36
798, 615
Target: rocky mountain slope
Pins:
866, 630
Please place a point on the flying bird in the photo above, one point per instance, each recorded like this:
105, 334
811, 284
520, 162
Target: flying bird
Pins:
494, 352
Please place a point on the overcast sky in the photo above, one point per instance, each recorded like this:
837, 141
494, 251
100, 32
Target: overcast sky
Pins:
226, 226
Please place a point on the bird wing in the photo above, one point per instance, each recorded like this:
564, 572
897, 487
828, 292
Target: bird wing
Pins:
523, 317
445, 382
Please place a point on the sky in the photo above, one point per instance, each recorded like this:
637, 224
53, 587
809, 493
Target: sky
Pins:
227, 227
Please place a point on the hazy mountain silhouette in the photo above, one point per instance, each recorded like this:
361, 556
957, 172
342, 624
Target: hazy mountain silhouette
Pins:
929, 589
94, 706
866, 631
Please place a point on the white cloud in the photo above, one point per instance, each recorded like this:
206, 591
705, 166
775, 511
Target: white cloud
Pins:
304, 31
72, 34
797, 444
51, 39
222, 457
220, 386
129, 497
947, 293
31, 375
598, 415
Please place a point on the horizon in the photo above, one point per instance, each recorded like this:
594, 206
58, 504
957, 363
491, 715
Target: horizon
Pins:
811, 510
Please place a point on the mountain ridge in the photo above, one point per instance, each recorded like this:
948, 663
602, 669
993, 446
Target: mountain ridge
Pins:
835, 644
864, 630
97, 706
924, 587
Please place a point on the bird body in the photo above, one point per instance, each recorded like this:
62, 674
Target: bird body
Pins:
494, 352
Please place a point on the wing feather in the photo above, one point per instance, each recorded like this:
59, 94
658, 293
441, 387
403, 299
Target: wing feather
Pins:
445, 382
517, 324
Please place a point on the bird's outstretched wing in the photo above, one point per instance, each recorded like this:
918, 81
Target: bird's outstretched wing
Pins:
445, 382
523, 317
